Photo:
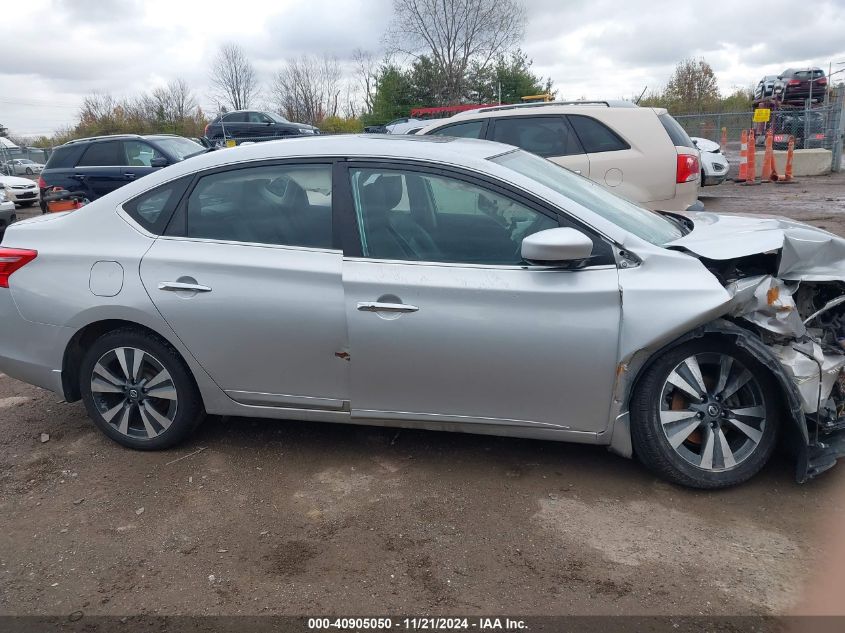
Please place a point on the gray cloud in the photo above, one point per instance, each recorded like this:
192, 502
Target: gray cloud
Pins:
604, 48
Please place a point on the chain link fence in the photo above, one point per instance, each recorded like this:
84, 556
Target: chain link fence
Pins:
817, 126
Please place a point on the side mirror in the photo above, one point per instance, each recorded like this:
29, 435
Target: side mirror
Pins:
556, 246
159, 161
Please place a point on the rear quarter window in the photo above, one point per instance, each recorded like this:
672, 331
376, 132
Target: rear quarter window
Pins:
64, 156
152, 209
595, 136
679, 136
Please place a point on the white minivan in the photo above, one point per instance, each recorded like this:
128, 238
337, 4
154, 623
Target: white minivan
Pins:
641, 154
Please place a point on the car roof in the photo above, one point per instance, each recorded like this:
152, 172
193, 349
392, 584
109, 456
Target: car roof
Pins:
436, 149
115, 137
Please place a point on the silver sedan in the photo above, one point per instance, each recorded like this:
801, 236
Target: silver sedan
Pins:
433, 283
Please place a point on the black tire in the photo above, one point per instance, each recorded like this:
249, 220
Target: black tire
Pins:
28, 171
651, 444
188, 409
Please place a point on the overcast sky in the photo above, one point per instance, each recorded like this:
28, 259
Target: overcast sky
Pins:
53, 52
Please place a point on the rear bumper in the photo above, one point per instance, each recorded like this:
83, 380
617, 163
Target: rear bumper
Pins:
31, 352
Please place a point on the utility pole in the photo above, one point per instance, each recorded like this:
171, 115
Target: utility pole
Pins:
500, 92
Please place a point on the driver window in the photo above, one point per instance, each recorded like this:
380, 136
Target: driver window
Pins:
139, 154
416, 216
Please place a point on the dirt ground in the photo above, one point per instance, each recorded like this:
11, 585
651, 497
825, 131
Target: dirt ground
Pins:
261, 517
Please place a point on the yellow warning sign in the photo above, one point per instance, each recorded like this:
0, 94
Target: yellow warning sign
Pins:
762, 115
230, 142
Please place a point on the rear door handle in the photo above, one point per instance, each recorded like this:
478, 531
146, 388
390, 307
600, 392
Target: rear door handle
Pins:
130, 175
178, 285
377, 306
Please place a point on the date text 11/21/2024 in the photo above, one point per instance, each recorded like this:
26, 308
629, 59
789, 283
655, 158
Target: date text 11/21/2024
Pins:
418, 624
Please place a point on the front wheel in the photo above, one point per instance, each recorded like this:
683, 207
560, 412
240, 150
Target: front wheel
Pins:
705, 415
139, 391
28, 171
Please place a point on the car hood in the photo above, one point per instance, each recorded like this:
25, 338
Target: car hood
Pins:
705, 145
14, 180
806, 253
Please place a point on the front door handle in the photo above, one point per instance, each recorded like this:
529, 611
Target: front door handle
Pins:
377, 306
179, 285
130, 175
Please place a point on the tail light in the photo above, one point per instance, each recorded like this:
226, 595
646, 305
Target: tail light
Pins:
205, 131
822, 81
688, 168
42, 183
11, 259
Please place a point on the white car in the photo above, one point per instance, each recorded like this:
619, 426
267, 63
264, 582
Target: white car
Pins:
7, 212
23, 166
714, 165
641, 154
404, 126
22, 191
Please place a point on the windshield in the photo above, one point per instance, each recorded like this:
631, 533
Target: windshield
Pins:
180, 148
643, 223
278, 118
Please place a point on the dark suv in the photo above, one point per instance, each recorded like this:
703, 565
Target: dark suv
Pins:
252, 125
101, 164
796, 84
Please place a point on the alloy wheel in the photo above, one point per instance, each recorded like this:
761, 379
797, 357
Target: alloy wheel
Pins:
134, 393
712, 411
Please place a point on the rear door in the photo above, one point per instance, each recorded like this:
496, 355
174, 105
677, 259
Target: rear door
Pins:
549, 136
249, 278
100, 169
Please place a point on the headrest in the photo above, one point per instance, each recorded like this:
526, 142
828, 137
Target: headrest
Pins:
384, 192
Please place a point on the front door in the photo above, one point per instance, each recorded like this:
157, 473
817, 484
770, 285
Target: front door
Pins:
252, 286
446, 321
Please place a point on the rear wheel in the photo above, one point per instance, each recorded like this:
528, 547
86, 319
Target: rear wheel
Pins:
28, 171
705, 415
139, 391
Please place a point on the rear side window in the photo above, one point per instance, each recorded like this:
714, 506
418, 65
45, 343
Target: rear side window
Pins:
235, 117
153, 209
471, 129
595, 136
288, 205
544, 136
679, 136
103, 154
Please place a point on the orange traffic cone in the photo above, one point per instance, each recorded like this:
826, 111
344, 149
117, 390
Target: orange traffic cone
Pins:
724, 143
768, 157
743, 156
787, 174
751, 174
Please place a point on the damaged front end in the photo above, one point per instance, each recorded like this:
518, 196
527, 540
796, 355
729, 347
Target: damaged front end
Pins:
793, 298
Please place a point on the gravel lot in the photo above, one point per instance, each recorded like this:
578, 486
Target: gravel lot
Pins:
254, 517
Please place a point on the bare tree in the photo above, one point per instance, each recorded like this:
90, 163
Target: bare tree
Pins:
366, 72
308, 89
174, 103
233, 78
452, 33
